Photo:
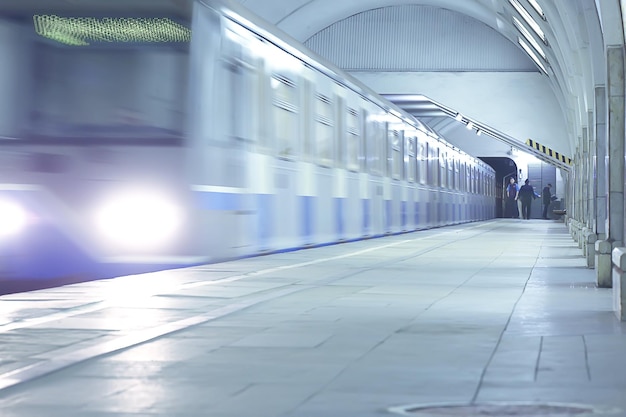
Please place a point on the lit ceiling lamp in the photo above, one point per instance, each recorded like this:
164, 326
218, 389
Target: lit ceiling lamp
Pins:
532, 23
529, 37
80, 31
537, 8
531, 54
529, 20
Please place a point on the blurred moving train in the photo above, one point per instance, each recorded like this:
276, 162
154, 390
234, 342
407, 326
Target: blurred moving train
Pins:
129, 145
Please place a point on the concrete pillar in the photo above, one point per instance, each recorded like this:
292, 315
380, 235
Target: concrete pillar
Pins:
578, 215
601, 188
591, 236
589, 245
584, 178
591, 165
619, 282
615, 218
584, 200
580, 176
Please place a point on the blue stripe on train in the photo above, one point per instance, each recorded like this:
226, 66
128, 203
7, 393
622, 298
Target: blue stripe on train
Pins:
264, 217
339, 222
417, 214
219, 201
404, 213
307, 218
388, 215
366, 216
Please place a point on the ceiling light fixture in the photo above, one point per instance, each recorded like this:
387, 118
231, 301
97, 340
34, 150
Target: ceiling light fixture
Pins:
531, 54
80, 31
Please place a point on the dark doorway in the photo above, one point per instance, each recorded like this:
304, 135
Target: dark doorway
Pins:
505, 168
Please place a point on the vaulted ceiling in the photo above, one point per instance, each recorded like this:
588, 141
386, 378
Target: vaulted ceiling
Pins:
515, 102
465, 56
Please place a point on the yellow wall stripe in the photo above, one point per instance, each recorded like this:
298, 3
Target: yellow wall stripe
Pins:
547, 151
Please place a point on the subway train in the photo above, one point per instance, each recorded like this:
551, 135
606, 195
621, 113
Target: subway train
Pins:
135, 139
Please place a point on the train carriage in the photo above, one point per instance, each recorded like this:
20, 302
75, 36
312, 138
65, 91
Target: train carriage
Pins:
202, 135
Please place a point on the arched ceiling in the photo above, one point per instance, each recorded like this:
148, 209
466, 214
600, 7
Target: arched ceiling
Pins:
576, 34
574, 59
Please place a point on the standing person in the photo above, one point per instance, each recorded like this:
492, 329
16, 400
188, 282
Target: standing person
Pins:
546, 197
511, 201
526, 194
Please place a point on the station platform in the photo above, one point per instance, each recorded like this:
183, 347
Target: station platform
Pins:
495, 318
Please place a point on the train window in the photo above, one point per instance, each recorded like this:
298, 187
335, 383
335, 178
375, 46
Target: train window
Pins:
443, 172
307, 149
353, 140
324, 131
474, 181
482, 182
422, 163
433, 162
97, 80
397, 158
285, 116
450, 166
239, 90
375, 147
410, 158
436, 165
484, 175
457, 178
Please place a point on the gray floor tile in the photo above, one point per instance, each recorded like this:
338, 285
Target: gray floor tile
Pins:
361, 332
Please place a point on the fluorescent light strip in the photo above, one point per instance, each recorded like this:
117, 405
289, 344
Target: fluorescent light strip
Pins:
529, 37
537, 8
532, 55
79, 31
528, 18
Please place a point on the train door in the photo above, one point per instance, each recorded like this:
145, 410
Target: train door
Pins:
226, 87
410, 168
394, 198
326, 122
442, 207
239, 98
348, 197
434, 183
462, 198
285, 226
421, 199
376, 160
458, 196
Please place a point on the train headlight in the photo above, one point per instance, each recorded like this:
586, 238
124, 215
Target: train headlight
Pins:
12, 218
138, 220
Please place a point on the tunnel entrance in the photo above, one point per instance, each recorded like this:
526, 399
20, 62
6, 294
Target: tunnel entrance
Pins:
505, 168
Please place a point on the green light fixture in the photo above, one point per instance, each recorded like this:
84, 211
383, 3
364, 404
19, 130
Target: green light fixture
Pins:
80, 31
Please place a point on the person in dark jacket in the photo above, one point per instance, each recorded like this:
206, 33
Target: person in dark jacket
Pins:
511, 200
546, 199
527, 195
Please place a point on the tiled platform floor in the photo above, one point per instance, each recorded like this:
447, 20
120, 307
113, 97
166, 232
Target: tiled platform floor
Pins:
501, 311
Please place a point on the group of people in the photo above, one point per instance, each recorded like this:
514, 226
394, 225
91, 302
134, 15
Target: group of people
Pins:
525, 194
